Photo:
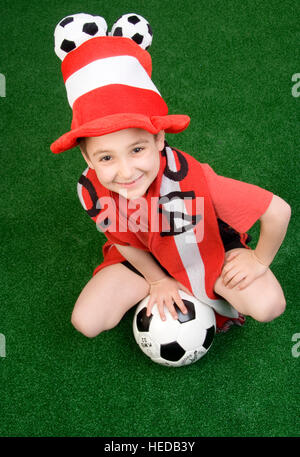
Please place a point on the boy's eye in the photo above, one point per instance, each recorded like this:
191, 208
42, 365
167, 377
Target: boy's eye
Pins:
137, 149
105, 158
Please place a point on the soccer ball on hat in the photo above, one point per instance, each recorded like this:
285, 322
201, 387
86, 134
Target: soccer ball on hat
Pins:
175, 342
135, 27
74, 30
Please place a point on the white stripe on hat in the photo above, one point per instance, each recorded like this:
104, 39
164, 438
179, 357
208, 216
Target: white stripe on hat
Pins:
125, 70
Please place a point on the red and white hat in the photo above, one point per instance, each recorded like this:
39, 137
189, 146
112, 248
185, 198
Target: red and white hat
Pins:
109, 88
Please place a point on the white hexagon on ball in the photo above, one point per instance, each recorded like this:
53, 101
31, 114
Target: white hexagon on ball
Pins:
164, 331
191, 335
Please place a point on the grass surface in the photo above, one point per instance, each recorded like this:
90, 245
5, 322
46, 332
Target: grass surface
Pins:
228, 64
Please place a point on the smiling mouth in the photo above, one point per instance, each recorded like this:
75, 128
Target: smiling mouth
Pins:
131, 183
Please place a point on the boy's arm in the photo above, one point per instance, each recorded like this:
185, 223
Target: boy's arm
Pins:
143, 262
163, 288
273, 227
242, 266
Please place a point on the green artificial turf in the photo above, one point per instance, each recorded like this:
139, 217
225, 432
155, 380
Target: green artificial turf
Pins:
229, 65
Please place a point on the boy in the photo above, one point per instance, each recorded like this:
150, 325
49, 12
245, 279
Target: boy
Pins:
119, 122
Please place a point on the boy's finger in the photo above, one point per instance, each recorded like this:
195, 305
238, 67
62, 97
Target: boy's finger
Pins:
172, 310
231, 255
180, 304
161, 311
236, 279
229, 275
227, 268
244, 283
150, 306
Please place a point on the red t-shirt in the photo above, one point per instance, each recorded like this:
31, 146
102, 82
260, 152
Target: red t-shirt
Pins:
237, 203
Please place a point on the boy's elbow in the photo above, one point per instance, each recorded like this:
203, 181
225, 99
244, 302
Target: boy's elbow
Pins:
278, 208
286, 210
289, 209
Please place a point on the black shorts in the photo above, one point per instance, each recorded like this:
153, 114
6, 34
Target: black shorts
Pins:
231, 239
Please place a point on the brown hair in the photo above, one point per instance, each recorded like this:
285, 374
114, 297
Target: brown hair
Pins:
82, 144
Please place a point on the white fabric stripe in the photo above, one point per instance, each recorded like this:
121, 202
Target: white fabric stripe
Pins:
125, 70
188, 250
79, 190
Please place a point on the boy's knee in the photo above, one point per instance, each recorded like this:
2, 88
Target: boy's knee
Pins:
269, 311
83, 327
88, 327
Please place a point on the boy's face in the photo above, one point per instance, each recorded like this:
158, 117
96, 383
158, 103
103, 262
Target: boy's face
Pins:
127, 161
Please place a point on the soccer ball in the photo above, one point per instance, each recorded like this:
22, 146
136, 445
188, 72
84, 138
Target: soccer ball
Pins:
175, 342
74, 30
135, 27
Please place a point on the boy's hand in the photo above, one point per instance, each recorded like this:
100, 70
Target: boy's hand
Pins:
241, 267
164, 293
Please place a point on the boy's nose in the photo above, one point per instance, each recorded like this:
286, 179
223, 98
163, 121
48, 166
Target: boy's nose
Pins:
125, 171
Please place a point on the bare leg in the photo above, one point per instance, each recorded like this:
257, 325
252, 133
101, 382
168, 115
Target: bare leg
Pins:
263, 299
106, 298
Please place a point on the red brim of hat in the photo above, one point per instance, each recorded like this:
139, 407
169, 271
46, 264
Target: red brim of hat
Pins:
173, 123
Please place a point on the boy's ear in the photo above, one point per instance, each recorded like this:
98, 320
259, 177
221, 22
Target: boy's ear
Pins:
160, 140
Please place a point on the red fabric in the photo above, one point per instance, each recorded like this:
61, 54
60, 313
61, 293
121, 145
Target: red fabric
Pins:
117, 99
163, 248
237, 203
224, 201
173, 123
100, 48
114, 106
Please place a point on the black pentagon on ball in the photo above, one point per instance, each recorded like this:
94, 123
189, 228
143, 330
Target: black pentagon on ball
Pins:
66, 21
171, 351
149, 29
137, 38
133, 20
118, 31
143, 321
67, 46
189, 316
90, 28
210, 333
